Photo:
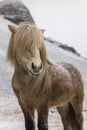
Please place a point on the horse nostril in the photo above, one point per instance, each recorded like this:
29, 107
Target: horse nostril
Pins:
33, 66
36, 68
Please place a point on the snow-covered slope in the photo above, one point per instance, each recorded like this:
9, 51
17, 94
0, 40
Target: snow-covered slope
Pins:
4, 34
4, 68
11, 117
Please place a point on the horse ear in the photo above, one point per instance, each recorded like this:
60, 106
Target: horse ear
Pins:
12, 28
42, 30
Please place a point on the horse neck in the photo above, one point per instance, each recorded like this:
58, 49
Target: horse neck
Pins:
28, 81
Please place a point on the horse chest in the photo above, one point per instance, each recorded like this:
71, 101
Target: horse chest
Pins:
29, 99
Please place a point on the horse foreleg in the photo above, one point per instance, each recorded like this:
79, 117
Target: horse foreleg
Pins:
43, 118
29, 119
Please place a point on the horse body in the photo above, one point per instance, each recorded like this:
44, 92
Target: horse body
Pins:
57, 91
41, 85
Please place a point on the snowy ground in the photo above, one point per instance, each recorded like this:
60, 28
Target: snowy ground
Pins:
11, 117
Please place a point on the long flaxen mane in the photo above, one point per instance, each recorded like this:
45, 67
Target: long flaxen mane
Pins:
25, 36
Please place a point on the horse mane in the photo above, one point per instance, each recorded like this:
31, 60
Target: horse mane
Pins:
26, 37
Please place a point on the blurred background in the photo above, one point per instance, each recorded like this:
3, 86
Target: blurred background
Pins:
64, 21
